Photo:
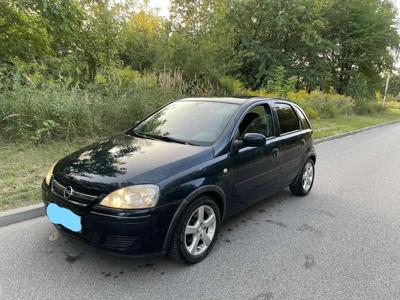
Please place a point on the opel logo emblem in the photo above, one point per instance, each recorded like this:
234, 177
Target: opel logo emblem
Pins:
68, 192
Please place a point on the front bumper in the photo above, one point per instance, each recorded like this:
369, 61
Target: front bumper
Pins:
135, 233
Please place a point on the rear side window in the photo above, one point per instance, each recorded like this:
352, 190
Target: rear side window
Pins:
287, 118
303, 119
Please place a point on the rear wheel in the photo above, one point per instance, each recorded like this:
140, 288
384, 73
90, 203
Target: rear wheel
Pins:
196, 231
302, 186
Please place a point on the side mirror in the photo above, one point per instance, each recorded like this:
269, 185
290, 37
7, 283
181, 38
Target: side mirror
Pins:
254, 139
135, 123
249, 140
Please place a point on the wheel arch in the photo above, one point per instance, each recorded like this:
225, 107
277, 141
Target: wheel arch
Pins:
213, 191
311, 156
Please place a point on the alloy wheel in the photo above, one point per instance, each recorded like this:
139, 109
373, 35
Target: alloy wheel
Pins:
200, 230
308, 176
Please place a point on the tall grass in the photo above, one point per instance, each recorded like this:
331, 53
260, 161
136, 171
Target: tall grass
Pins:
37, 109
56, 112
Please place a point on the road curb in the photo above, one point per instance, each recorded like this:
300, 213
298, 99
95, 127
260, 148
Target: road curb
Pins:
21, 214
341, 135
37, 210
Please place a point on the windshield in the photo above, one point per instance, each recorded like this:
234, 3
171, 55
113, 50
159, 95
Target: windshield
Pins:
191, 122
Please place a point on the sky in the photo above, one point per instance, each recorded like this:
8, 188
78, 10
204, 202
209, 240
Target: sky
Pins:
396, 3
163, 6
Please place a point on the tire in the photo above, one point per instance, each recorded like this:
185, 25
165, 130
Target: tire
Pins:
299, 187
190, 230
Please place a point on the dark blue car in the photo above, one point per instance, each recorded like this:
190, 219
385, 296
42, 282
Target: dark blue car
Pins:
166, 184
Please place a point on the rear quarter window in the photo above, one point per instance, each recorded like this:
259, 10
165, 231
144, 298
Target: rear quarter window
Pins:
303, 119
288, 120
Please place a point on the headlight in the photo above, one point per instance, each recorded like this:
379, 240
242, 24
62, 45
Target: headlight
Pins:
133, 197
49, 174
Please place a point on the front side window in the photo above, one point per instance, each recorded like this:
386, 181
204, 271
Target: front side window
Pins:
257, 120
287, 118
194, 122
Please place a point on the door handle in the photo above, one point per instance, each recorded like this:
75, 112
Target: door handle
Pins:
275, 152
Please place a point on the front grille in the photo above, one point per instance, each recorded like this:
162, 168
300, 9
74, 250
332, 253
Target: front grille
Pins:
119, 242
75, 197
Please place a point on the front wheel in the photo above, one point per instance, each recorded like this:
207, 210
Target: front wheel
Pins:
303, 184
196, 231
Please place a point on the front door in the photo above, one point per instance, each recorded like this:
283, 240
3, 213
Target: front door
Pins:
255, 170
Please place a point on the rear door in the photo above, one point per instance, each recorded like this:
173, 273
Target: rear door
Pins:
306, 131
290, 142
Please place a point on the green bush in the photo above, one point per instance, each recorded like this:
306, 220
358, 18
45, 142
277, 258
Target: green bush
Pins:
282, 84
322, 105
373, 108
232, 86
362, 94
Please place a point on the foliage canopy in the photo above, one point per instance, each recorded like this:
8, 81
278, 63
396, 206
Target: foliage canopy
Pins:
316, 44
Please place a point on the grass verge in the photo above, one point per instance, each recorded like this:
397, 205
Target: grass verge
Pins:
327, 127
23, 166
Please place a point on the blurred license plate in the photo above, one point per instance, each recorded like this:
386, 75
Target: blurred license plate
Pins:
64, 217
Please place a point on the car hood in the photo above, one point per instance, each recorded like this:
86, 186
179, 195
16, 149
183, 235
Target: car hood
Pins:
126, 160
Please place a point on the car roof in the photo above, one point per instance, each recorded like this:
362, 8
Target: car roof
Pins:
235, 100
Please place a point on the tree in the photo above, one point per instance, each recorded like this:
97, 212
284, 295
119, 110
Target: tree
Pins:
23, 33
144, 37
394, 85
359, 34
322, 43
63, 20
274, 33
344, 44
100, 39
200, 38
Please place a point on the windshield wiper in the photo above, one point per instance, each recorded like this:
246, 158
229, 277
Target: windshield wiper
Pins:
161, 137
142, 135
170, 139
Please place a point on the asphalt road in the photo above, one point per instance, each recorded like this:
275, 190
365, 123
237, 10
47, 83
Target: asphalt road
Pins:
340, 242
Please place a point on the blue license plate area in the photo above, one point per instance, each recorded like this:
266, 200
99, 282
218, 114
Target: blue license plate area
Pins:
63, 216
